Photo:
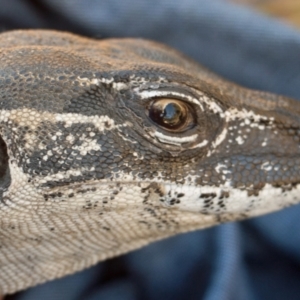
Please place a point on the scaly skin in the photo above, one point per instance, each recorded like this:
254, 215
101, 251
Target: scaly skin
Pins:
109, 145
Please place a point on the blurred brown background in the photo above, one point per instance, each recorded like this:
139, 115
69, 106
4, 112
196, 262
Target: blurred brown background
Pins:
287, 10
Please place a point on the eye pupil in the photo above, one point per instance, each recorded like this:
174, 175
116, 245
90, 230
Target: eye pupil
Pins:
172, 114
168, 113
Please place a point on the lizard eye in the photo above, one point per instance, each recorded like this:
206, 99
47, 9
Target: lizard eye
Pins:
171, 114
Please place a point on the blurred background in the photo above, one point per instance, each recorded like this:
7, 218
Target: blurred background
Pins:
288, 10
251, 42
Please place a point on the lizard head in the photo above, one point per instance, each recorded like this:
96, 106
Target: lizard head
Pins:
109, 145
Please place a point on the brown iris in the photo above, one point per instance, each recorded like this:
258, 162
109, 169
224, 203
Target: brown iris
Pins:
171, 114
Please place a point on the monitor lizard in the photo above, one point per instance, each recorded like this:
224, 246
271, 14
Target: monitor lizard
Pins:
108, 145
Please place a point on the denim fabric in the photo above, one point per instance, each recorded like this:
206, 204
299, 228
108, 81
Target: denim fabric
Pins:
256, 259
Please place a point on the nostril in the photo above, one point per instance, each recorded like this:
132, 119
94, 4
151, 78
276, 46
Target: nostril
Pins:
5, 178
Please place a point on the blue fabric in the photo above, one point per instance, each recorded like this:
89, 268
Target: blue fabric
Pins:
256, 259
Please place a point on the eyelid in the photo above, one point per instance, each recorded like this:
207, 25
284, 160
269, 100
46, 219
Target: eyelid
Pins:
152, 94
